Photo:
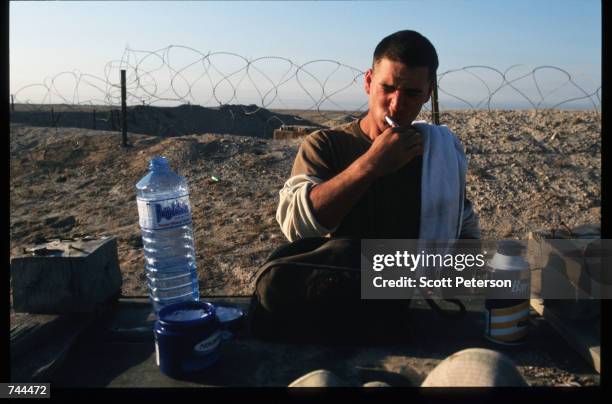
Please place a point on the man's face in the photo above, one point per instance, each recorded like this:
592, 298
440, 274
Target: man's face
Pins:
397, 91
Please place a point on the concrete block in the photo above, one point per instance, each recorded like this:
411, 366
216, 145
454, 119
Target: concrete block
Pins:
75, 276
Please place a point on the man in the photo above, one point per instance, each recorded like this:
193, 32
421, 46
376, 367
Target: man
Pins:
367, 179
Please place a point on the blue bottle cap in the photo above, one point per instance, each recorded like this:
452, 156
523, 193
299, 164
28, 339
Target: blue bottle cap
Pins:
159, 163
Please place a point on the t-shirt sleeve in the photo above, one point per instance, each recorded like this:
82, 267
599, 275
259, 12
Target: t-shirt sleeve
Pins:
313, 165
314, 157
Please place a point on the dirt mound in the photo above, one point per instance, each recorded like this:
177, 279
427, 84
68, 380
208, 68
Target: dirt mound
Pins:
340, 121
167, 121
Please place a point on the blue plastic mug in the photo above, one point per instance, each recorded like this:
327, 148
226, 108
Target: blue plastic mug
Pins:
188, 336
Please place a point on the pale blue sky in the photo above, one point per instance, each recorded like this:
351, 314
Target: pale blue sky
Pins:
47, 38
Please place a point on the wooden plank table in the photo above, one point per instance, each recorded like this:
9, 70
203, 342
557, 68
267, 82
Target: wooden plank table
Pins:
118, 351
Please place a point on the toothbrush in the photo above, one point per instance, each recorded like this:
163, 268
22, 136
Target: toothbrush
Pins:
391, 122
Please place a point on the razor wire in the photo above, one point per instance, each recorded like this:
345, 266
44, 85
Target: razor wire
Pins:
144, 88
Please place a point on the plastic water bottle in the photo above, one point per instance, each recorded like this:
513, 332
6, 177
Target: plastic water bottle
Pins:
167, 236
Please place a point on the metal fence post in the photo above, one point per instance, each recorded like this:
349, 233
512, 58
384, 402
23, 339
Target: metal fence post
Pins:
123, 111
12, 103
435, 111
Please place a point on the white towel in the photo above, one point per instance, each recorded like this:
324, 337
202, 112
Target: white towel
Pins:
442, 183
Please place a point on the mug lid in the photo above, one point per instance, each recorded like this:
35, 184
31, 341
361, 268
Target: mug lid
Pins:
508, 262
187, 313
228, 315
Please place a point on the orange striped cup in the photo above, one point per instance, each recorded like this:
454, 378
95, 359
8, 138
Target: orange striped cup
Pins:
507, 321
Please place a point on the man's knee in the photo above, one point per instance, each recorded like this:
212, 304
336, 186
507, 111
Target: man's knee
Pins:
475, 367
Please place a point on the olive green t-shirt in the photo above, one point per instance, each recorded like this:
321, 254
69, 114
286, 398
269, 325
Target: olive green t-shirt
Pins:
390, 208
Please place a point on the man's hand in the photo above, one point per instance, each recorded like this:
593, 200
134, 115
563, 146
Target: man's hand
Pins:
392, 149
333, 199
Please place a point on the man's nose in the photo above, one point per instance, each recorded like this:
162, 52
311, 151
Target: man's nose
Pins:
396, 101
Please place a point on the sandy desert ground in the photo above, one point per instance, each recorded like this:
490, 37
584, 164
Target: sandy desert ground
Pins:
528, 170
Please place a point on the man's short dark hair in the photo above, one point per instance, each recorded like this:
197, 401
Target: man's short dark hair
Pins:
410, 48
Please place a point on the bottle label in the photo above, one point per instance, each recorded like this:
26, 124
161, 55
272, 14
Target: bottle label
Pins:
209, 345
163, 214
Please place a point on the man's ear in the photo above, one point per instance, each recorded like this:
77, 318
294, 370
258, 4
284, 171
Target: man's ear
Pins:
367, 83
